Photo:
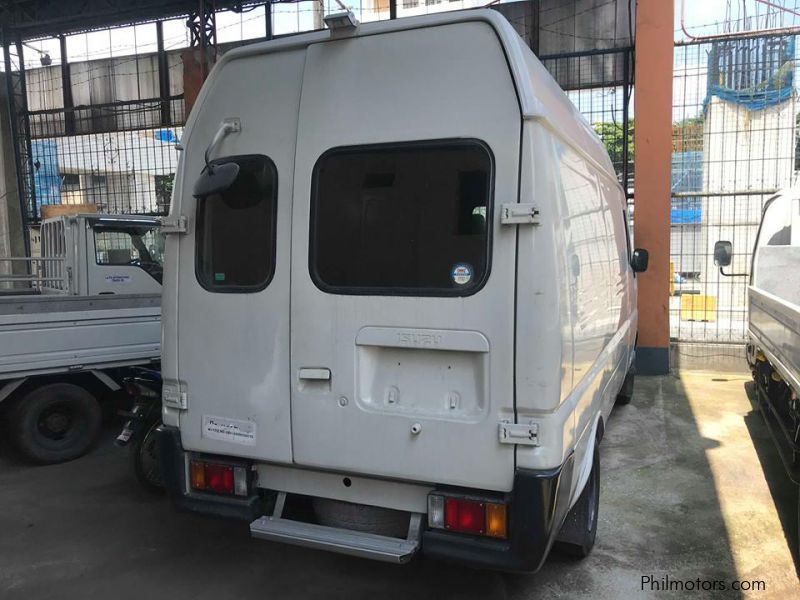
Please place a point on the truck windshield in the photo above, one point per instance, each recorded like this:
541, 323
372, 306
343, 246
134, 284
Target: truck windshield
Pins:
136, 246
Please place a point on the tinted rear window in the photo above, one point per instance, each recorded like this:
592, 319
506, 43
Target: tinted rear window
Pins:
410, 219
236, 230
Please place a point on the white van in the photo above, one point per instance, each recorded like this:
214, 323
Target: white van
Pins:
401, 294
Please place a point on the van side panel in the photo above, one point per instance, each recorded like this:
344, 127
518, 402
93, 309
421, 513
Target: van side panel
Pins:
544, 327
601, 296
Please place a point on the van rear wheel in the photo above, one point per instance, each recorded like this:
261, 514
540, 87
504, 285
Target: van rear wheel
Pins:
578, 533
55, 423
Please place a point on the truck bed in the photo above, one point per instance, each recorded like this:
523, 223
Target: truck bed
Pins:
54, 333
775, 327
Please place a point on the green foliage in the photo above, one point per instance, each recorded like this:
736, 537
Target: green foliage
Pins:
612, 135
164, 184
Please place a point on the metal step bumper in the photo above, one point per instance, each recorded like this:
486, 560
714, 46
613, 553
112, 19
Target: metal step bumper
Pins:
343, 541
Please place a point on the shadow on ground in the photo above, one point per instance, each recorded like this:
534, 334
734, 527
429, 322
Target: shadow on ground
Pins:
784, 492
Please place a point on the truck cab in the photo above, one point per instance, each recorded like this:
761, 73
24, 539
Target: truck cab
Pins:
72, 320
98, 254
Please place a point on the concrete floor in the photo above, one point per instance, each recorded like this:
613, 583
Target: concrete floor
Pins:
691, 488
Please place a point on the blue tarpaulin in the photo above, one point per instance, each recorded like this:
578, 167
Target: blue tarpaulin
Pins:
46, 177
753, 73
687, 176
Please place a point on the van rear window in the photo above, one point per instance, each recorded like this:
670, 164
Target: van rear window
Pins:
405, 219
235, 235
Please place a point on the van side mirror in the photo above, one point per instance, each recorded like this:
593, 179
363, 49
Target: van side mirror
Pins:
215, 179
723, 254
639, 260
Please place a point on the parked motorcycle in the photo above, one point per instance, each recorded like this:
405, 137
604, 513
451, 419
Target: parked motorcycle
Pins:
144, 387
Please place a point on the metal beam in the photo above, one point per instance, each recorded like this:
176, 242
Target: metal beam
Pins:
49, 18
66, 88
163, 76
202, 25
10, 77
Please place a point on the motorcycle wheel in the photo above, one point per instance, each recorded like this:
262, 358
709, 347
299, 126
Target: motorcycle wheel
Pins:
144, 461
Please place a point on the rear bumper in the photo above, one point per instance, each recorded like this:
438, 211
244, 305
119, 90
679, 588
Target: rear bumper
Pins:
537, 507
538, 504
172, 459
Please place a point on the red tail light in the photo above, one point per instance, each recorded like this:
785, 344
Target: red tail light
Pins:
463, 515
218, 478
476, 517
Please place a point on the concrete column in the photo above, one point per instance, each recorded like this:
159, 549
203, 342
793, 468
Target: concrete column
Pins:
653, 144
12, 235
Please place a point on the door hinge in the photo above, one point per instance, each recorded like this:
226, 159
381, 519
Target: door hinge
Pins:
519, 214
526, 434
173, 225
173, 396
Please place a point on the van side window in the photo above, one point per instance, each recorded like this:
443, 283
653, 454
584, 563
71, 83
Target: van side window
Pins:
403, 219
235, 234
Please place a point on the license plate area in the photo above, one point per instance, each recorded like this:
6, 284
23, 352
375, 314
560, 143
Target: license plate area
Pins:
427, 373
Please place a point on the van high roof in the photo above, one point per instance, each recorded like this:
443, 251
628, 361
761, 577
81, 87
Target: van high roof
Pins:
539, 95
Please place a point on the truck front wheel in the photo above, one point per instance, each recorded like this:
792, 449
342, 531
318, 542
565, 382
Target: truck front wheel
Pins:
55, 423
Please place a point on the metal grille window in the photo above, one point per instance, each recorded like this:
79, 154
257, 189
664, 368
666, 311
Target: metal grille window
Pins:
405, 219
235, 234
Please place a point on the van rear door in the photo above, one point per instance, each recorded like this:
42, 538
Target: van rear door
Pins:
402, 277
233, 286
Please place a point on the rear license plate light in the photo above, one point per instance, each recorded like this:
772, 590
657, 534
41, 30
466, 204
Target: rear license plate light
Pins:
218, 478
465, 515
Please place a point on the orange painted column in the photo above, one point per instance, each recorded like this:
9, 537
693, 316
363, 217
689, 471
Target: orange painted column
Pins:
653, 153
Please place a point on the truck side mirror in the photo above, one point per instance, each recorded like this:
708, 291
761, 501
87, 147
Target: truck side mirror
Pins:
639, 260
215, 179
723, 254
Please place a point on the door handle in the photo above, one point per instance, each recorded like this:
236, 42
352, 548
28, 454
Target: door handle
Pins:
318, 374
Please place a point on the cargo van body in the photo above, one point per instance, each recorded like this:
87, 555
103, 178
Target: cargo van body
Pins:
416, 292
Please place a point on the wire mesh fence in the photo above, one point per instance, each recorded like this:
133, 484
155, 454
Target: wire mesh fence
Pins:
734, 145
100, 132
97, 116
600, 85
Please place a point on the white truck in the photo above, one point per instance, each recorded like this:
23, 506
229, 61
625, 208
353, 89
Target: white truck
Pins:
773, 351
399, 289
70, 320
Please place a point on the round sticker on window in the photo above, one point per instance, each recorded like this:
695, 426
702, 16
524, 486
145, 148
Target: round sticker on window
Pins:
462, 274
